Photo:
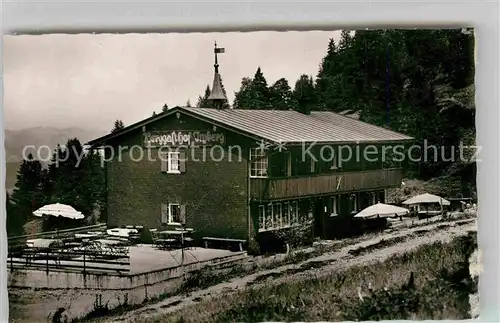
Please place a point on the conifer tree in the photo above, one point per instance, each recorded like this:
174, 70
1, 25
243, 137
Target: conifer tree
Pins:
305, 94
253, 93
117, 126
28, 192
281, 96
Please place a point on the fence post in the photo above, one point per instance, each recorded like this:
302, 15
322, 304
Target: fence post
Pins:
84, 253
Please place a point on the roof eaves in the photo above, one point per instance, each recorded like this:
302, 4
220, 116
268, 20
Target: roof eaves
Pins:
384, 141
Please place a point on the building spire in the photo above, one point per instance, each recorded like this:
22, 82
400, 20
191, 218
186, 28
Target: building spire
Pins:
216, 65
217, 94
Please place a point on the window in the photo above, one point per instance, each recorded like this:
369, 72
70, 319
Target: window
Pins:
295, 212
262, 217
269, 223
174, 214
275, 216
258, 163
287, 214
173, 162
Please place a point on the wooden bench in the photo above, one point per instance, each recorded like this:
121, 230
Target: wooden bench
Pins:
238, 241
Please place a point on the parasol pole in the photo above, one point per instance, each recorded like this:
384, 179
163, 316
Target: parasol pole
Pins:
441, 203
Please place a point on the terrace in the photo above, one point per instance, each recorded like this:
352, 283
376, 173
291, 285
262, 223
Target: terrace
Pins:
97, 252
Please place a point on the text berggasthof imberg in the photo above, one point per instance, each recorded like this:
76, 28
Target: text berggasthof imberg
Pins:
180, 138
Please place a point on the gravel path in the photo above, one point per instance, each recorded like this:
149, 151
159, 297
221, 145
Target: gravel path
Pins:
408, 239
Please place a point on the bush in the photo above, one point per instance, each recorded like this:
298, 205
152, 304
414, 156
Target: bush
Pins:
296, 236
199, 279
145, 236
253, 247
396, 303
258, 309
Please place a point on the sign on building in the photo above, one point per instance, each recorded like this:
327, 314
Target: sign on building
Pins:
183, 138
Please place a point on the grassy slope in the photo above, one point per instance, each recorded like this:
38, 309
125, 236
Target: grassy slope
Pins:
438, 292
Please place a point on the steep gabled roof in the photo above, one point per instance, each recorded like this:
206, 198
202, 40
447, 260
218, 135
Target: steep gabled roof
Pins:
284, 126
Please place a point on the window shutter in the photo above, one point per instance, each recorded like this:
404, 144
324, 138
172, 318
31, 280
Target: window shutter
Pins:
164, 213
183, 214
182, 162
164, 163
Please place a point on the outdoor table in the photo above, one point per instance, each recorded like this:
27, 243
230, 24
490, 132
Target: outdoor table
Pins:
172, 232
85, 235
42, 243
97, 233
177, 234
71, 245
134, 227
112, 242
121, 232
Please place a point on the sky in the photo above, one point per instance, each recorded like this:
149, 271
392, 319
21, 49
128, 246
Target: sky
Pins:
89, 81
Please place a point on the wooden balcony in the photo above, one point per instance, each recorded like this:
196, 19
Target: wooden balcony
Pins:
268, 189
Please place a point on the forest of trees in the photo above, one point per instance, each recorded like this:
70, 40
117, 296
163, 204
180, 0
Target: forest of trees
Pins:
418, 82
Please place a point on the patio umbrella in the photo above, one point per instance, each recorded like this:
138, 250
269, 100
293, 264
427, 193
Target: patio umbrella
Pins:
59, 210
426, 199
381, 210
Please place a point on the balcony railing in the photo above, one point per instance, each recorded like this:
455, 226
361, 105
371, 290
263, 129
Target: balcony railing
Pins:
269, 188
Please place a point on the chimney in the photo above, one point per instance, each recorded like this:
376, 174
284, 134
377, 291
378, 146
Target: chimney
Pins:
217, 94
304, 107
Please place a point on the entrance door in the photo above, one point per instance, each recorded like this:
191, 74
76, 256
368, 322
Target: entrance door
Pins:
321, 210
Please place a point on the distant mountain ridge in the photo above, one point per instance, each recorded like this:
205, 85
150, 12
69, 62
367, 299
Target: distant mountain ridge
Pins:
17, 140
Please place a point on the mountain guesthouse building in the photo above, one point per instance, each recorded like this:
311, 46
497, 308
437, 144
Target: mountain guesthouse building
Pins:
243, 174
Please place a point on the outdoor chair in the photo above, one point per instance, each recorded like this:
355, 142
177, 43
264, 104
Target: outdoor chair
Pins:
154, 236
161, 243
187, 239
